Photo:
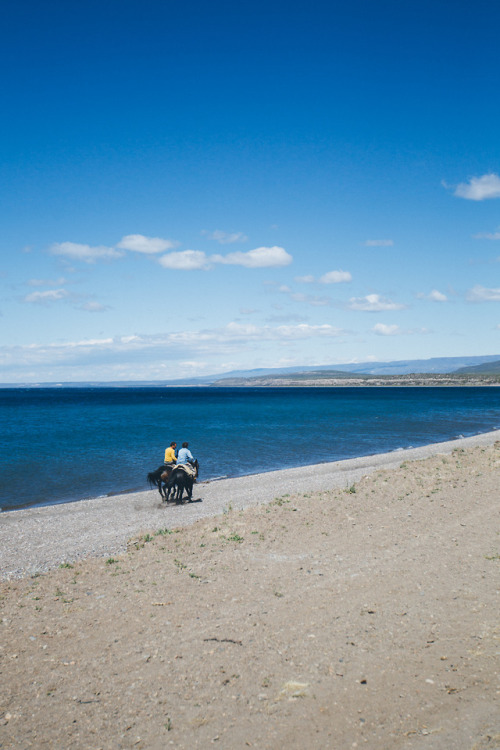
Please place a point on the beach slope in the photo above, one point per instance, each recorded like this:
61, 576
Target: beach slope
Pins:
360, 612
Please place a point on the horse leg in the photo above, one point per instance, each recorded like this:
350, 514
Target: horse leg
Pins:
168, 489
180, 489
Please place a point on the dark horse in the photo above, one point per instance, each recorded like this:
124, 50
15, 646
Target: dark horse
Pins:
179, 481
163, 478
159, 478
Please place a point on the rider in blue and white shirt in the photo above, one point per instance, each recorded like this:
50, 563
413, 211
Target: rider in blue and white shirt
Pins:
185, 456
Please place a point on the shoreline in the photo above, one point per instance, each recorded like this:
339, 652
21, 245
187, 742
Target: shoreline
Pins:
37, 539
210, 480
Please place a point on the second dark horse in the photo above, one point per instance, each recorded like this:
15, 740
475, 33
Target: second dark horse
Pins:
180, 481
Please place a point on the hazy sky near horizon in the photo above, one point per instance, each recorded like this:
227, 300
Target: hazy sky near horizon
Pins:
195, 187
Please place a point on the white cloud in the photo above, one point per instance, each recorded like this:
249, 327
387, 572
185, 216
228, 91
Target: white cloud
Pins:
378, 243
304, 330
373, 303
185, 260
479, 188
261, 257
335, 277
331, 277
487, 236
384, 330
305, 279
381, 329
437, 296
84, 343
434, 296
86, 253
179, 343
481, 294
147, 245
225, 238
158, 356
44, 298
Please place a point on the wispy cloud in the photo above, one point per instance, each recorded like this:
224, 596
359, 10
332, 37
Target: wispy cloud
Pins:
147, 245
378, 243
225, 238
47, 282
479, 188
331, 277
335, 277
45, 298
169, 346
434, 296
487, 236
63, 296
381, 329
310, 299
86, 253
373, 303
260, 257
480, 293
393, 330
93, 306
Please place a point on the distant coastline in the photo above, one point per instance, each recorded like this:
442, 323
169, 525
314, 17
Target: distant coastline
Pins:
322, 380
294, 380
436, 371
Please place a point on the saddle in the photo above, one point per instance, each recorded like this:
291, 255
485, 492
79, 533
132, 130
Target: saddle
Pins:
188, 469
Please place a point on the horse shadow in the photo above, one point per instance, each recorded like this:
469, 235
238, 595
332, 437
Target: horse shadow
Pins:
179, 504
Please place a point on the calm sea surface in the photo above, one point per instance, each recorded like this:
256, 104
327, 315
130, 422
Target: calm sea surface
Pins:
59, 445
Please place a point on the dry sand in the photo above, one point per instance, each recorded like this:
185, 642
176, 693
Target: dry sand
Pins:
338, 606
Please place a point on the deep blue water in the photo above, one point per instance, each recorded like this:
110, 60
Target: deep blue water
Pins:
58, 445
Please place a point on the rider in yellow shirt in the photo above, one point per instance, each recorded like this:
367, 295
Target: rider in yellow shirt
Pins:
170, 458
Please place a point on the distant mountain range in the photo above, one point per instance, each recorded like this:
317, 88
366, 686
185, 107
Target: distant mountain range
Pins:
486, 368
486, 365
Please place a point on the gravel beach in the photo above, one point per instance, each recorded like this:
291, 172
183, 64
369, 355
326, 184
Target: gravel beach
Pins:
339, 606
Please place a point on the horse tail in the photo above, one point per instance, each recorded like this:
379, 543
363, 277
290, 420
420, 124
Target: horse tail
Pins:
154, 477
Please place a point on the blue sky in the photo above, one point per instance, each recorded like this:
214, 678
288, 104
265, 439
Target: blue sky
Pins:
196, 187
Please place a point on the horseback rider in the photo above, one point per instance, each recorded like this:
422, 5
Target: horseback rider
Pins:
185, 456
170, 459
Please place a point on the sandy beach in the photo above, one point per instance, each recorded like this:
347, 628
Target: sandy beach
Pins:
333, 606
